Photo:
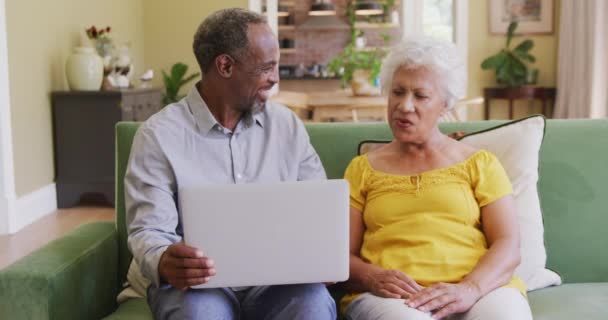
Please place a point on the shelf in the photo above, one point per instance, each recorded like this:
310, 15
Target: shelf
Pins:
286, 27
288, 50
368, 49
367, 25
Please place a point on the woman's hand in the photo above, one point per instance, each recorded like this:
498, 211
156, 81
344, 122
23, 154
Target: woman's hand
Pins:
444, 299
392, 284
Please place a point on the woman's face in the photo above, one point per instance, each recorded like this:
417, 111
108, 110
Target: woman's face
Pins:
415, 103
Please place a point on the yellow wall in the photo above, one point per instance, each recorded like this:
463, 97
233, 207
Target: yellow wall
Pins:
170, 27
41, 35
482, 45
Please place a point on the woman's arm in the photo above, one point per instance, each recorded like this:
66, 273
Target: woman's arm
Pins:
365, 276
494, 269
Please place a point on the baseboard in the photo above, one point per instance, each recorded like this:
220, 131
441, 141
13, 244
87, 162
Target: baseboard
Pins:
4, 212
32, 207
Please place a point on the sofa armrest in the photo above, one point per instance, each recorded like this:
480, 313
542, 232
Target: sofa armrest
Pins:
73, 277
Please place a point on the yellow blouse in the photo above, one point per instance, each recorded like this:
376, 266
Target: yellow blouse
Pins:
427, 225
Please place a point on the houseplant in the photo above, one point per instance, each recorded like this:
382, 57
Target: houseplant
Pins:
357, 67
511, 64
174, 82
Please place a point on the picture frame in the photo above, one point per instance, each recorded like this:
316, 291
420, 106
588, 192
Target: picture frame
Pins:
534, 16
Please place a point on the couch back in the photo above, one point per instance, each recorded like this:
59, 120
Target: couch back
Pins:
573, 185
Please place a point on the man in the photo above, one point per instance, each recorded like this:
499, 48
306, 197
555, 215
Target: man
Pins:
222, 132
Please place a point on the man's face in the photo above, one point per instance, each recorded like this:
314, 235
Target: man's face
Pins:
257, 71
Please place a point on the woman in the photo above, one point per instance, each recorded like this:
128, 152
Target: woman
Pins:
433, 223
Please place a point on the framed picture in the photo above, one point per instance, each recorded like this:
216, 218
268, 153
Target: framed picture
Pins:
534, 16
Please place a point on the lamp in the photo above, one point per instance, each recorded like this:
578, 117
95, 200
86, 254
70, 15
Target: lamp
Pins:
368, 8
321, 8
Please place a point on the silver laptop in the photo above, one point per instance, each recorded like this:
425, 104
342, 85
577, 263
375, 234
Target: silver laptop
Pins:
270, 234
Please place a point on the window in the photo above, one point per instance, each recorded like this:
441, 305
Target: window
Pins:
438, 19
445, 19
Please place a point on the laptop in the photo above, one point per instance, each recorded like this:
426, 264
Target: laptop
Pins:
270, 233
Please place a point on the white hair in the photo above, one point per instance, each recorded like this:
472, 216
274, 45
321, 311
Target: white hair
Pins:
440, 56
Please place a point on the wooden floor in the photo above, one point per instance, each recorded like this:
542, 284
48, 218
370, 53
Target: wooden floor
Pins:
53, 226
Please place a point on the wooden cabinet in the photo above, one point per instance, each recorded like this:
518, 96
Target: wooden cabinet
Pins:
545, 95
83, 136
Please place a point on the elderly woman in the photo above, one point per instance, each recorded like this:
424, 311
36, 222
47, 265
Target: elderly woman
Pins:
433, 223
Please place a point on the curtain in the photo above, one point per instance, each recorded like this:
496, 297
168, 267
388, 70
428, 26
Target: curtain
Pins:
582, 75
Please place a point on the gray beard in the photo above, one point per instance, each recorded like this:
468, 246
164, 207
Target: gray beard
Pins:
257, 108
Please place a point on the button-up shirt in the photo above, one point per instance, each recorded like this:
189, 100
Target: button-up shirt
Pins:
183, 144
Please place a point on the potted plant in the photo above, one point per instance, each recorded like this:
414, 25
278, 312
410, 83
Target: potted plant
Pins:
511, 64
357, 67
174, 82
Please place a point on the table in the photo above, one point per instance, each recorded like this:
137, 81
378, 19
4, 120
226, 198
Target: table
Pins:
83, 135
338, 105
543, 94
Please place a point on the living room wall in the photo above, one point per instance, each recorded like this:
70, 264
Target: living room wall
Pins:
41, 35
169, 29
482, 44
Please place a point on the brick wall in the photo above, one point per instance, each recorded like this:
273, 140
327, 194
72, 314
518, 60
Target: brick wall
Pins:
320, 46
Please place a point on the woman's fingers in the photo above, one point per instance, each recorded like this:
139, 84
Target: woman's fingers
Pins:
426, 295
447, 310
387, 294
437, 303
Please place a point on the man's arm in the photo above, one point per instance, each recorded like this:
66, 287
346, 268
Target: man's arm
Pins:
151, 212
152, 219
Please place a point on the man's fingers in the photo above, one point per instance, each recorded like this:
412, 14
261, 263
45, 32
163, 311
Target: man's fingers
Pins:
196, 281
181, 250
204, 263
194, 273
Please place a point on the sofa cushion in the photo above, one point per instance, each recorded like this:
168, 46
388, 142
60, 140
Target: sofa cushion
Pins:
587, 301
132, 309
517, 145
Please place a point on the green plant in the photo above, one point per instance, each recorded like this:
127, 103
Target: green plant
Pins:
175, 81
351, 59
511, 65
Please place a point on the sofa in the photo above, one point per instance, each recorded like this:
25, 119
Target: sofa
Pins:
79, 275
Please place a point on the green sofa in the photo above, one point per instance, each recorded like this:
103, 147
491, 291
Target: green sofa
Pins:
79, 275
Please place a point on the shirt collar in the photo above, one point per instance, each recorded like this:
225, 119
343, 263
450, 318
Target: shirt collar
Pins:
205, 120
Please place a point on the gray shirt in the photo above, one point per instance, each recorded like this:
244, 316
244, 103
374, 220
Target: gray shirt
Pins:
184, 145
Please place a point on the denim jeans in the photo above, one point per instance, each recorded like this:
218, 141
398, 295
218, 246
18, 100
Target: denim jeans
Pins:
300, 301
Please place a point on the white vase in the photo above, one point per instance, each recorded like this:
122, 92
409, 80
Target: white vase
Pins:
84, 69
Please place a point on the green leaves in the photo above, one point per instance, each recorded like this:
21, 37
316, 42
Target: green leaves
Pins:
495, 61
351, 59
510, 65
175, 81
510, 32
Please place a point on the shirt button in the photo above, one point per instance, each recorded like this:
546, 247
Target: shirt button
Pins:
239, 176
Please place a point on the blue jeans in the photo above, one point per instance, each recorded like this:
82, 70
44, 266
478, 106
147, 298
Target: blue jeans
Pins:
300, 301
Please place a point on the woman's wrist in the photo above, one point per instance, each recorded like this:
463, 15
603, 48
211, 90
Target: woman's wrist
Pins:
473, 288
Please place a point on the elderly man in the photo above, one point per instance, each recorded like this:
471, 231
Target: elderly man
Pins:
222, 132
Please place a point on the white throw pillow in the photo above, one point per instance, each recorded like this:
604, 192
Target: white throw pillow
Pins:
517, 145
136, 286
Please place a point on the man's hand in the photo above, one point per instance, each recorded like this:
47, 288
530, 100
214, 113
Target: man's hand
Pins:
392, 284
183, 266
444, 299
